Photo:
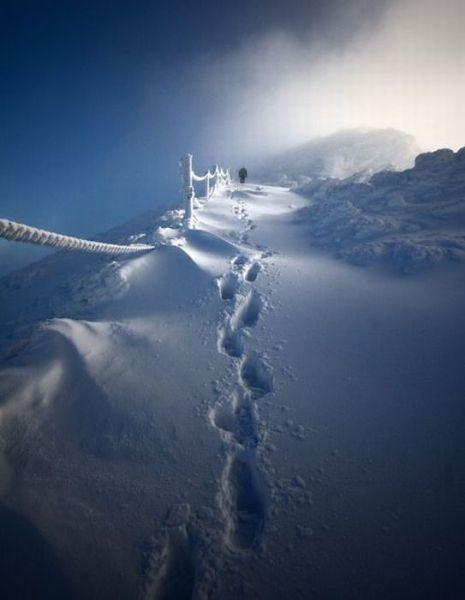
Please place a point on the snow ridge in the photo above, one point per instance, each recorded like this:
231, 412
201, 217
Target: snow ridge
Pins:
409, 221
340, 155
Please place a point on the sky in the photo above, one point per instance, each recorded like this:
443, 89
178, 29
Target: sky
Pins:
402, 67
99, 99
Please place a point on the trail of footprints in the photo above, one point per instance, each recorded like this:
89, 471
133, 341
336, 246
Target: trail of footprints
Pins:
240, 210
175, 571
243, 490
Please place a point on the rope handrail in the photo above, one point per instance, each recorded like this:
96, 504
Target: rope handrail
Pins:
196, 177
188, 176
19, 232
223, 173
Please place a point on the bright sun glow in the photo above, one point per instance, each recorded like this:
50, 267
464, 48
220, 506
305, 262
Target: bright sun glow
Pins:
407, 73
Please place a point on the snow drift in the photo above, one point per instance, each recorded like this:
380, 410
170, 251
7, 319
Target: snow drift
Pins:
409, 220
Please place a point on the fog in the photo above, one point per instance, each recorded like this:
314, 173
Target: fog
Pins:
403, 69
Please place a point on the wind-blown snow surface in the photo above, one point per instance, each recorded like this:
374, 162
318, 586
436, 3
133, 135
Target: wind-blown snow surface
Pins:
231, 416
410, 220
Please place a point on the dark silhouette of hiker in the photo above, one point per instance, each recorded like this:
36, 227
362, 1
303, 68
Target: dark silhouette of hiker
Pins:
242, 174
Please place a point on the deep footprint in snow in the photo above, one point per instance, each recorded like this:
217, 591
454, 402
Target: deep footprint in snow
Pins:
176, 576
237, 420
252, 272
230, 334
178, 580
239, 261
228, 286
248, 311
259, 191
231, 341
256, 375
245, 504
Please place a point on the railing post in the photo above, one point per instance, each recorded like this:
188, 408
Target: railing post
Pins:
217, 180
187, 188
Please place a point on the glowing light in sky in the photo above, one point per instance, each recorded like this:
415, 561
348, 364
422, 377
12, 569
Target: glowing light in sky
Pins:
404, 71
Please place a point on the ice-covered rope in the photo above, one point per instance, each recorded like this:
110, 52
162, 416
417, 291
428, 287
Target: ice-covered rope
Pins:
217, 173
188, 176
19, 232
198, 177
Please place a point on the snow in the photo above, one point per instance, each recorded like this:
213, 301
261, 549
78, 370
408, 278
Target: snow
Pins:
236, 415
408, 221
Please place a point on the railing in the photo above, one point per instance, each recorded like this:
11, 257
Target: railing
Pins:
188, 176
18, 232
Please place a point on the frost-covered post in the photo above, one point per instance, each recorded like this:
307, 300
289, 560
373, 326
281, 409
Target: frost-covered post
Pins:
207, 185
217, 180
187, 188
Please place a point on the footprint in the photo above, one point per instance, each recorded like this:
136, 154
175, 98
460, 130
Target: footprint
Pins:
248, 311
244, 503
256, 375
228, 285
246, 431
231, 341
222, 417
252, 272
175, 576
237, 421
239, 261
258, 191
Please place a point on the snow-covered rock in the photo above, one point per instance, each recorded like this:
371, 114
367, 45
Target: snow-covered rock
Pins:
343, 154
410, 220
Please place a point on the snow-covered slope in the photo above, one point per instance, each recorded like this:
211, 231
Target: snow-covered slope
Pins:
343, 154
409, 220
231, 416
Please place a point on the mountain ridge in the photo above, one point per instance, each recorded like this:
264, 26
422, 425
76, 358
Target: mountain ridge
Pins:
340, 155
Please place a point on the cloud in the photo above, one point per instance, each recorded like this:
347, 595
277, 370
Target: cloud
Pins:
403, 70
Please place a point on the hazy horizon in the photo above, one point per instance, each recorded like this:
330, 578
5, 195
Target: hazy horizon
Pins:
401, 68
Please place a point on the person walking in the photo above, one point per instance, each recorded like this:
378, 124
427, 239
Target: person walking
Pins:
242, 174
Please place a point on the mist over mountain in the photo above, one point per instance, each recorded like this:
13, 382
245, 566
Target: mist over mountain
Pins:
340, 155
